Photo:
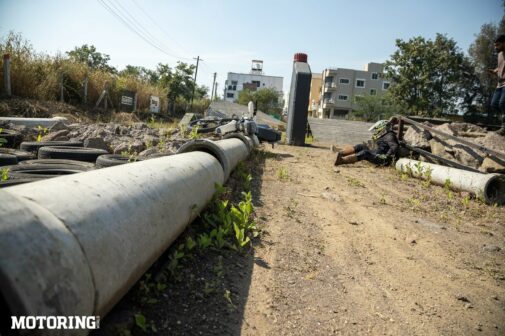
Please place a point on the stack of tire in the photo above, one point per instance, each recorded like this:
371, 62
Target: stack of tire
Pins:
55, 158
38, 160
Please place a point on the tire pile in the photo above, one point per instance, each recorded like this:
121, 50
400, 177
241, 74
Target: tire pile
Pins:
29, 161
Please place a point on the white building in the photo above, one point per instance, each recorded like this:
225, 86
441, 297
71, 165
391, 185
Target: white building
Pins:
253, 81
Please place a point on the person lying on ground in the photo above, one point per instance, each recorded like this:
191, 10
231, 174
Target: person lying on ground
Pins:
386, 143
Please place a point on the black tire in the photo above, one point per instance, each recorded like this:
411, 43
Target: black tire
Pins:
71, 153
20, 155
42, 171
9, 183
8, 159
34, 146
109, 160
13, 138
58, 162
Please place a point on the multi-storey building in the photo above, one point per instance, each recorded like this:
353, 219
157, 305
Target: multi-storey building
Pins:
315, 94
342, 87
253, 81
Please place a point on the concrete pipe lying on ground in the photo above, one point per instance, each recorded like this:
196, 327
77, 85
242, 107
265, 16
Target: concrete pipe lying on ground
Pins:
74, 245
33, 122
491, 187
228, 151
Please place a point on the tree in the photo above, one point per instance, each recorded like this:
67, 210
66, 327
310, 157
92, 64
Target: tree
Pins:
266, 99
373, 108
178, 82
140, 73
88, 55
426, 75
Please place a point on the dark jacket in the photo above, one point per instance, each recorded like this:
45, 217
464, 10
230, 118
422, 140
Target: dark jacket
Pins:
387, 144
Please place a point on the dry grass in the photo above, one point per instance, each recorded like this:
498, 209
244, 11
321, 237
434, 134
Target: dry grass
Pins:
39, 76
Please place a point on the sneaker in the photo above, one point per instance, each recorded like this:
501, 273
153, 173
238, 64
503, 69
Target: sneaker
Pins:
334, 149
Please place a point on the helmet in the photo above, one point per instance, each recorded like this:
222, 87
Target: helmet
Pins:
379, 128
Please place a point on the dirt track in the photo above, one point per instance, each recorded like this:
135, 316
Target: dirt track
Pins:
363, 251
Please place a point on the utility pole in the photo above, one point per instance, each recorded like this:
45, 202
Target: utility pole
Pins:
215, 91
198, 59
213, 85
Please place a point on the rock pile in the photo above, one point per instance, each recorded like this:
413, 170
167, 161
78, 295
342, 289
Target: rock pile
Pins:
136, 139
455, 151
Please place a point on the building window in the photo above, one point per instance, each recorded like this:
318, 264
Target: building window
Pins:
327, 95
358, 98
328, 79
230, 87
257, 83
375, 75
344, 81
360, 83
342, 97
230, 95
234, 82
373, 92
385, 85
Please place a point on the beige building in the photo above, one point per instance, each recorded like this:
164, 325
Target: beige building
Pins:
341, 88
315, 94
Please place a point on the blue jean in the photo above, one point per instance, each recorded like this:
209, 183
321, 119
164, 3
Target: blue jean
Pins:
498, 102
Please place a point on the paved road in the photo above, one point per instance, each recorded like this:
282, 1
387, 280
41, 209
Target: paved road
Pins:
339, 132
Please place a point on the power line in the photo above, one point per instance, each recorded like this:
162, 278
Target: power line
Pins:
125, 21
159, 26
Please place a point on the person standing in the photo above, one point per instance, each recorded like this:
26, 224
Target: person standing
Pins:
498, 100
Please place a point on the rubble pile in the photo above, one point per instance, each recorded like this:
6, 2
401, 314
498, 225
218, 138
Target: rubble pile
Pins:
455, 151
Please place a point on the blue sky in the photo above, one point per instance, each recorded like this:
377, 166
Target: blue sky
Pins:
228, 34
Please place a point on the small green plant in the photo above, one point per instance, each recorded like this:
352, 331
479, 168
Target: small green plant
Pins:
194, 133
419, 167
5, 174
175, 260
204, 241
382, 199
427, 177
130, 154
447, 184
355, 182
41, 132
190, 244
227, 296
141, 322
466, 201
414, 202
282, 174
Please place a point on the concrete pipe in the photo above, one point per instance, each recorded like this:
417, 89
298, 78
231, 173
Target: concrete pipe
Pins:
33, 122
491, 187
74, 245
229, 152
236, 150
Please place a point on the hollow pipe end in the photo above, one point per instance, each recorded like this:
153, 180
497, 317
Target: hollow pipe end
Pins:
209, 147
494, 190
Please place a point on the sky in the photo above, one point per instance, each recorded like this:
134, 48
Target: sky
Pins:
229, 34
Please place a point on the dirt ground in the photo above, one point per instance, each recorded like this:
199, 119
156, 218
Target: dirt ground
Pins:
363, 250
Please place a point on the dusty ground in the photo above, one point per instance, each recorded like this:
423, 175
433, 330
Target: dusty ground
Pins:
363, 251
358, 251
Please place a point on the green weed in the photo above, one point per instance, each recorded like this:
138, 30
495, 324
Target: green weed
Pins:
355, 182
5, 174
282, 174
41, 132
